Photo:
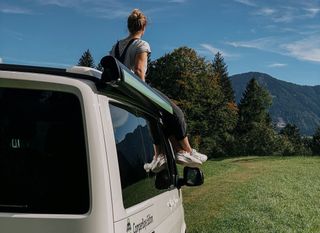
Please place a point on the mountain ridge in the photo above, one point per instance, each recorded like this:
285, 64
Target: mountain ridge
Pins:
291, 103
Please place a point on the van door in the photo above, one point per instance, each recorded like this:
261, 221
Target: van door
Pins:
144, 201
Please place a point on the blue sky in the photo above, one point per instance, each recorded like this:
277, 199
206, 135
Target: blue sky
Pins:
277, 37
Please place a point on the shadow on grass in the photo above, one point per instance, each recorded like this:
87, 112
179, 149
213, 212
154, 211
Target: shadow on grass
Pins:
250, 158
247, 159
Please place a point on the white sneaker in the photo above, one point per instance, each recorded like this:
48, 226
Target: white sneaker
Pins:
160, 163
201, 157
156, 165
184, 158
148, 166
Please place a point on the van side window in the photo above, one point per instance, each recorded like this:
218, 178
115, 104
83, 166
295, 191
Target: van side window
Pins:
43, 159
135, 135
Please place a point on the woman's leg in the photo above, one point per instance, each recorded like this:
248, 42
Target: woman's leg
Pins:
180, 145
175, 144
185, 145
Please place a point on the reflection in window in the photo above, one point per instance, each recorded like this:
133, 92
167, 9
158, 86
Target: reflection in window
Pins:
135, 147
43, 162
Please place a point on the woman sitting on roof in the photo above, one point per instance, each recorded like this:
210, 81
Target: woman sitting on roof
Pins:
133, 52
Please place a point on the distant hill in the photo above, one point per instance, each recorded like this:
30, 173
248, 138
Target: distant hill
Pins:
292, 103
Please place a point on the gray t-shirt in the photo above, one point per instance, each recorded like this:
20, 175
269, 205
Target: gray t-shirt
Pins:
138, 46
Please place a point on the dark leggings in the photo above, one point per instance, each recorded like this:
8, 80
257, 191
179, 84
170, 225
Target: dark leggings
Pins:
174, 124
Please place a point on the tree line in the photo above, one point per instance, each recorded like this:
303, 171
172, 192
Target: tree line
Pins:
217, 125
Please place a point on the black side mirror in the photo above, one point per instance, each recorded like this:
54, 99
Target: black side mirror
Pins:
192, 176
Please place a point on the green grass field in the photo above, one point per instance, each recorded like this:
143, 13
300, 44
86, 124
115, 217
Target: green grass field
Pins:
256, 194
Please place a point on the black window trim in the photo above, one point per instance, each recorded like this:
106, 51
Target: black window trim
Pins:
173, 171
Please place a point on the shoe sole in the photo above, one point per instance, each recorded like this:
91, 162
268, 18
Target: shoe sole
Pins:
199, 156
202, 159
189, 163
159, 168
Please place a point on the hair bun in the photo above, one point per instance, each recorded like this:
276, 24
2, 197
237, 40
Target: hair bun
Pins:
136, 13
136, 21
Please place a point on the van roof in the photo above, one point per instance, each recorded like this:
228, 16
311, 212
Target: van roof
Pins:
130, 88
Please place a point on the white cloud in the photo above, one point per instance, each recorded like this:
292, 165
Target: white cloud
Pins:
281, 14
10, 9
210, 48
312, 12
277, 65
60, 3
162, 2
108, 13
107, 9
294, 13
246, 2
12, 34
110, 9
266, 11
213, 51
261, 43
306, 49
1, 60
177, 1
284, 13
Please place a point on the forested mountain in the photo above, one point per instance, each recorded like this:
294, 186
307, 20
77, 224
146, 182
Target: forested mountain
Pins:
291, 103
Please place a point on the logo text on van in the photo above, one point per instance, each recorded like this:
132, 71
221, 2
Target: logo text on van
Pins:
137, 227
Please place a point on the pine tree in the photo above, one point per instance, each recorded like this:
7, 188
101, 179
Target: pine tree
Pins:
221, 79
220, 74
255, 134
291, 139
253, 107
292, 132
316, 142
294, 143
86, 59
99, 67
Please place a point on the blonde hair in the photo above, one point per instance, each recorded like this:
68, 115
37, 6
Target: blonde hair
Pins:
136, 21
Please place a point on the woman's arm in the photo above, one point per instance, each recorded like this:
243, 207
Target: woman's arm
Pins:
139, 66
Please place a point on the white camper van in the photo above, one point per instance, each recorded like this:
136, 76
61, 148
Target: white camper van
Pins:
73, 144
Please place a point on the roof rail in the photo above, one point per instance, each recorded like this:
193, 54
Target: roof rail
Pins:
73, 72
85, 71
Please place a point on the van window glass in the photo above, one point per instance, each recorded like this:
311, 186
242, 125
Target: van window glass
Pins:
136, 136
43, 161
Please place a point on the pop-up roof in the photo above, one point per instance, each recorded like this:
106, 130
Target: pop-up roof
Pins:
125, 81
